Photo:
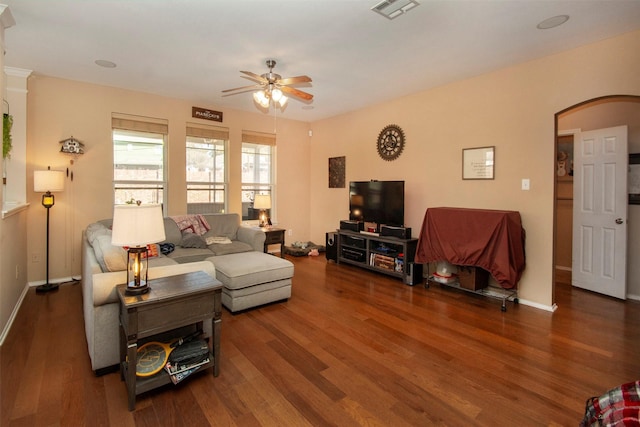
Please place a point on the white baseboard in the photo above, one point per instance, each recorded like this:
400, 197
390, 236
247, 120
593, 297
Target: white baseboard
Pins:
14, 313
633, 297
16, 308
60, 280
544, 307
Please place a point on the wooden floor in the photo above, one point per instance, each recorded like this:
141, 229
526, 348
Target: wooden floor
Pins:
350, 348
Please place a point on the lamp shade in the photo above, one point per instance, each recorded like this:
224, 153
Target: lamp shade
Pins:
137, 225
48, 180
262, 201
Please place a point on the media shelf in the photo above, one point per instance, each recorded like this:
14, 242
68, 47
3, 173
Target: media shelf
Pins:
383, 254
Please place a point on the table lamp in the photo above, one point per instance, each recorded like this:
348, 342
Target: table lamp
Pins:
48, 182
263, 202
135, 226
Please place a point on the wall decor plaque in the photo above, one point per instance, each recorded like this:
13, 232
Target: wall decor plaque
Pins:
478, 163
203, 113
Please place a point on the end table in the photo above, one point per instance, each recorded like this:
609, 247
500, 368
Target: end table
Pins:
173, 302
274, 236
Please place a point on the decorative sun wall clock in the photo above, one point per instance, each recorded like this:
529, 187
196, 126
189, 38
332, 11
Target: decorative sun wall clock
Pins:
390, 142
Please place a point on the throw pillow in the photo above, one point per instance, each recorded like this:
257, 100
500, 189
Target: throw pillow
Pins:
193, 240
114, 258
153, 251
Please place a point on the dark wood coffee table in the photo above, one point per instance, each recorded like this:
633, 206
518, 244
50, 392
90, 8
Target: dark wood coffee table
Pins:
173, 302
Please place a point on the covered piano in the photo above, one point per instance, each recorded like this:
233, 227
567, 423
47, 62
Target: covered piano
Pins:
491, 239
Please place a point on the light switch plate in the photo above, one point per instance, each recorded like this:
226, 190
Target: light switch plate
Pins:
526, 184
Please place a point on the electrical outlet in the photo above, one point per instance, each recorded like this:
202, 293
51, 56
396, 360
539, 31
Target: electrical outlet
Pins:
289, 232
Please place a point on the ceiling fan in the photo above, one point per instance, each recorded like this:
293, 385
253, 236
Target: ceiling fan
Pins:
271, 87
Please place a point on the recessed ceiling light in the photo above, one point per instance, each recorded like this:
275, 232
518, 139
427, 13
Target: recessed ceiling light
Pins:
104, 63
552, 22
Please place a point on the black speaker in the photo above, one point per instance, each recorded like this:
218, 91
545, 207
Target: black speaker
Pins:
331, 247
351, 225
413, 275
399, 232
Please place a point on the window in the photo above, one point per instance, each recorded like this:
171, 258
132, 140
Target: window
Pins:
257, 171
139, 151
206, 169
14, 167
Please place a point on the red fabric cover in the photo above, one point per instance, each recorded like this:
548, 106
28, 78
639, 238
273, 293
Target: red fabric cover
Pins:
490, 239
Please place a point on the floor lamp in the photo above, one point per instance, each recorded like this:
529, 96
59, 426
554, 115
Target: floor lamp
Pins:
48, 182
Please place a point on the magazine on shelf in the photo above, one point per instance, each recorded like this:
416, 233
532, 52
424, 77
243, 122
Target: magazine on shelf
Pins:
181, 371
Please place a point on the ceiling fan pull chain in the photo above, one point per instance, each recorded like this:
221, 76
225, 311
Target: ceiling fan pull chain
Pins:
275, 119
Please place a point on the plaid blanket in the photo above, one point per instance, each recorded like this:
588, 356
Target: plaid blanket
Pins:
619, 406
195, 223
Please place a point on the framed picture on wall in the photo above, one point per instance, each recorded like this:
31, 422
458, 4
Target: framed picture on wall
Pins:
337, 172
478, 163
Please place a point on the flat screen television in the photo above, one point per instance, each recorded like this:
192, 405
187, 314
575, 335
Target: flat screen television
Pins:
381, 202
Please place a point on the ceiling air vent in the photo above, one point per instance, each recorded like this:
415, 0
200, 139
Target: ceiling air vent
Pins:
393, 8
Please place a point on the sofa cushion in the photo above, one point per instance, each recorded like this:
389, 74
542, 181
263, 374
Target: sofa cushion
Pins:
192, 240
250, 268
184, 255
171, 232
223, 225
114, 258
229, 248
94, 230
109, 257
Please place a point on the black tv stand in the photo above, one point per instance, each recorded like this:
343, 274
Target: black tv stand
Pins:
383, 254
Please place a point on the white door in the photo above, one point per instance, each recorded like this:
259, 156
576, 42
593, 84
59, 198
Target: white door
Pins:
600, 211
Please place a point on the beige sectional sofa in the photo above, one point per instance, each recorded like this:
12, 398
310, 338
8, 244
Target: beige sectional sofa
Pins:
234, 256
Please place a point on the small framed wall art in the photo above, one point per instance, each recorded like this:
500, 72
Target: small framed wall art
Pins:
478, 163
337, 172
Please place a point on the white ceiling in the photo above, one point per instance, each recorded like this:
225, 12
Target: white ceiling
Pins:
193, 49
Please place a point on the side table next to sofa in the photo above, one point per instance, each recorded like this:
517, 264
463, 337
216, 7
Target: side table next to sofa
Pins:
173, 302
274, 236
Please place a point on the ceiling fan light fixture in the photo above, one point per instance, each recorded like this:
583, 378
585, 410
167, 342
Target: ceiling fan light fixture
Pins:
276, 94
261, 98
270, 87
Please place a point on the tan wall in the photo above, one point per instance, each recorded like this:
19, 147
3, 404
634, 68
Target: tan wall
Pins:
58, 109
512, 109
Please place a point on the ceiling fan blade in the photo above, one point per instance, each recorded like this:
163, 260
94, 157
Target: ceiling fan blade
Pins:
242, 89
297, 93
254, 76
294, 80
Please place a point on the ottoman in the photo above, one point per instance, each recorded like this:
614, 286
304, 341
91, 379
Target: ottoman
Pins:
252, 278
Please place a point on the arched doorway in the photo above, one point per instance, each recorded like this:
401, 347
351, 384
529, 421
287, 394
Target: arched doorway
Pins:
597, 113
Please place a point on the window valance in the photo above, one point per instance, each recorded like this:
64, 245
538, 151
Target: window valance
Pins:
139, 123
258, 137
197, 130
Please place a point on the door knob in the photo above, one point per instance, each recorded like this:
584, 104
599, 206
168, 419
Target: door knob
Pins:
619, 221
